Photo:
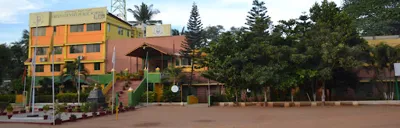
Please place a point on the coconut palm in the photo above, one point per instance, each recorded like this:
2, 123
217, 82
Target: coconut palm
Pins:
71, 73
174, 74
143, 14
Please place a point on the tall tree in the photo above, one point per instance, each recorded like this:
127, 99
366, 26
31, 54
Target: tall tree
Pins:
375, 17
335, 40
258, 21
5, 58
211, 33
144, 14
193, 40
175, 32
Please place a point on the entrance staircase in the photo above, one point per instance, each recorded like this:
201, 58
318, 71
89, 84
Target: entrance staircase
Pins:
123, 94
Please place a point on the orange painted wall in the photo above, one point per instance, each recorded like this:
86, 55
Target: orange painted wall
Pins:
85, 36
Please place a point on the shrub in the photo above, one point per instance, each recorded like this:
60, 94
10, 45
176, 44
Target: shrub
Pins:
10, 108
7, 98
46, 108
169, 96
71, 97
44, 99
152, 97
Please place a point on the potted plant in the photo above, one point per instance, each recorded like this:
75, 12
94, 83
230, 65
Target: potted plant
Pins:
9, 111
46, 109
59, 110
85, 109
72, 118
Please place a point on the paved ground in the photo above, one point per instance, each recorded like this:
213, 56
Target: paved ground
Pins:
248, 117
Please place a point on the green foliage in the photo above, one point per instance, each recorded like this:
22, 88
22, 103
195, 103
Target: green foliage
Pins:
194, 40
46, 108
144, 14
85, 107
3, 106
152, 96
258, 20
169, 96
374, 17
7, 98
9, 108
71, 97
70, 74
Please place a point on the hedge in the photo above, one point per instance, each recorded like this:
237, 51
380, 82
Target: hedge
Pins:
7, 98
64, 97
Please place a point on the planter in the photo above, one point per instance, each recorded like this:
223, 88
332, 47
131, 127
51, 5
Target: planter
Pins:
102, 113
15, 112
109, 112
84, 116
23, 111
72, 119
3, 114
40, 109
69, 110
9, 116
94, 114
58, 121
45, 117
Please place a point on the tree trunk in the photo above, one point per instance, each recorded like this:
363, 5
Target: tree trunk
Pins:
236, 95
323, 92
265, 96
314, 90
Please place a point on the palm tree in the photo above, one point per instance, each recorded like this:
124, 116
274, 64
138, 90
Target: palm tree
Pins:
174, 74
71, 72
144, 14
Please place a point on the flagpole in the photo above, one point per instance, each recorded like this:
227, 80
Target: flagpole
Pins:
147, 77
24, 93
34, 67
113, 83
52, 86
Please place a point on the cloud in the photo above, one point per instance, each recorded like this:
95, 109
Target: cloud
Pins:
10, 10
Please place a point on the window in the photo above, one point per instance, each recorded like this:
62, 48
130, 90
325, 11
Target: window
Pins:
57, 50
54, 28
93, 48
39, 68
108, 27
76, 49
57, 68
127, 33
41, 31
76, 28
93, 27
97, 66
186, 61
41, 51
120, 31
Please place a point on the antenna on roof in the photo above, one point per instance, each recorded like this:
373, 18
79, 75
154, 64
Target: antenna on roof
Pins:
118, 8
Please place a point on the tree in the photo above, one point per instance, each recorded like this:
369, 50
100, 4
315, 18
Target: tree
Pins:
174, 74
5, 59
334, 40
71, 73
46, 84
143, 14
193, 40
381, 60
211, 33
175, 32
258, 21
375, 17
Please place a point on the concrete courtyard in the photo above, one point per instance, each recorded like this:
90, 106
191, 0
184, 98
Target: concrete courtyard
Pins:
201, 116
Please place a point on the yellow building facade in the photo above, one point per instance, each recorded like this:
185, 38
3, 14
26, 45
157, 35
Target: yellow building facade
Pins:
77, 33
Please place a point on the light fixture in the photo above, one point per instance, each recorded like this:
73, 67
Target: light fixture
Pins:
144, 47
130, 89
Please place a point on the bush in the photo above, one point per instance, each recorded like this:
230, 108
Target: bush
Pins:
71, 97
44, 99
152, 97
169, 96
3, 106
7, 98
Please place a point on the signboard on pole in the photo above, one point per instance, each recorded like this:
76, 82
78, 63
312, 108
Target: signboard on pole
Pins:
397, 69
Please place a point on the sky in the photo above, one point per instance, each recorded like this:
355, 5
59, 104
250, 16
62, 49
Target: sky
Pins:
14, 14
